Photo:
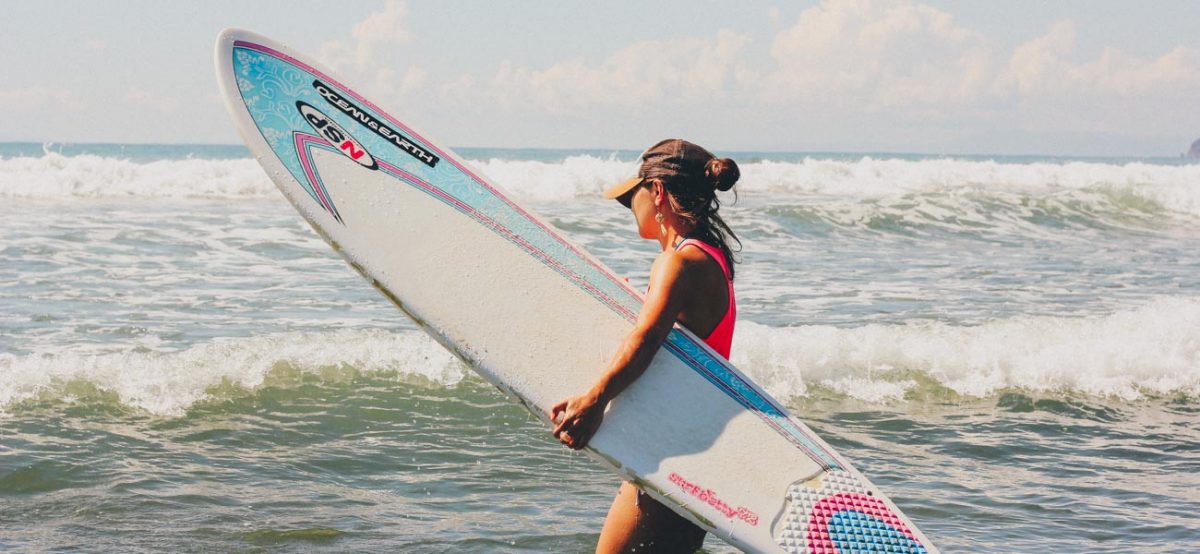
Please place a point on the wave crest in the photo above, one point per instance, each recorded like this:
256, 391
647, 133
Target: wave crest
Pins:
55, 176
1170, 187
1154, 349
168, 383
1151, 350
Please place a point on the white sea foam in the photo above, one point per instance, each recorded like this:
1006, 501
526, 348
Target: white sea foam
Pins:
1167, 187
1132, 185
55, 176
168, 383
1154, 349
557, 181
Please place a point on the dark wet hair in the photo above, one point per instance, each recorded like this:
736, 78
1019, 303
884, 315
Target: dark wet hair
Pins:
695, 201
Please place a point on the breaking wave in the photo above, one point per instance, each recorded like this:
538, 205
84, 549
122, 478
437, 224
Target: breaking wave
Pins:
1143, 185
1151, 350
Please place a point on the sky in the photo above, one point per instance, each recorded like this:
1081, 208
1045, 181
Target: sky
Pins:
1097, 77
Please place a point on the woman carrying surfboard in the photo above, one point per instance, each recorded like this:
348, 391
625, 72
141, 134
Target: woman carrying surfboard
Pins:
673, 199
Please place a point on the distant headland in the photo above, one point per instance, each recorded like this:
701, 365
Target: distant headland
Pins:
1194, 152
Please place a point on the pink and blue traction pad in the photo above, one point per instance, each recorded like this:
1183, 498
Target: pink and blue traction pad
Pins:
850, 522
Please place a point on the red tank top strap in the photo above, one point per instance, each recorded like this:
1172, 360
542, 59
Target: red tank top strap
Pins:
721, 338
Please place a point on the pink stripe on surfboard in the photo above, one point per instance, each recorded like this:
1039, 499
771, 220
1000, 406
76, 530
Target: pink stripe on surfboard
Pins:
301, 139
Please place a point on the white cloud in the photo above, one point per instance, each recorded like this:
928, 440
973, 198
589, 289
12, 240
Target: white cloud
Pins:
896, 66
384, 82
893, 73
897, 63
643, 74
876, 55
1118, 73
868, 54
378, 31
367, 58
153, 100
38, 96
1040, 67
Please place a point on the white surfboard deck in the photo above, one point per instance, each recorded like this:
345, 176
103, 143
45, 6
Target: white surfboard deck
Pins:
539, 318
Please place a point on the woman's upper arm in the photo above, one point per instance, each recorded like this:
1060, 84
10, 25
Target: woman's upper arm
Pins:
665, 297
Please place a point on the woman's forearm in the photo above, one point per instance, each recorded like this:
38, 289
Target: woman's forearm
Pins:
631, 361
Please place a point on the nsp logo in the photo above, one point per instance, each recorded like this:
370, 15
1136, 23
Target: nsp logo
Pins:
339, 137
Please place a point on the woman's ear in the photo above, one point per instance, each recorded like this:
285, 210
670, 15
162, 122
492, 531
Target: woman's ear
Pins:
659, 192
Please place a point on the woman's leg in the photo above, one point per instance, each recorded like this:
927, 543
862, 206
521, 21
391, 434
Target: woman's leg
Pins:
638, 523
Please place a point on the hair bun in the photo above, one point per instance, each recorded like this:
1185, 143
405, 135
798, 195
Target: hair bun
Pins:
722, 173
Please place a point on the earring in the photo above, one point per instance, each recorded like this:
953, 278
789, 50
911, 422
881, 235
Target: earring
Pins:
658, 217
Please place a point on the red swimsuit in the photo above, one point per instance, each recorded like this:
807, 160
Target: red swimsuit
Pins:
722, 336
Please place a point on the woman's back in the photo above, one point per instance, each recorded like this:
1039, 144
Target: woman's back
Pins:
711, 311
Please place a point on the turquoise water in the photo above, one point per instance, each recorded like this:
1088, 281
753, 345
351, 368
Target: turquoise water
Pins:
1010, 348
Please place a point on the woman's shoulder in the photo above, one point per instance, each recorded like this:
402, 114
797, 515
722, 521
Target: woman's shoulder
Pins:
683, 261
681, 258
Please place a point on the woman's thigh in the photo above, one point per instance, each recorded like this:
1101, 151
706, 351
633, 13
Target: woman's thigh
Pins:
638, 523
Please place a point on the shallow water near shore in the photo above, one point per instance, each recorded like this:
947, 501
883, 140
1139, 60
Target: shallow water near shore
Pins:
1009, 348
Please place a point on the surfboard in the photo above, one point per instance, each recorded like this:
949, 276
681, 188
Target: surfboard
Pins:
538, 317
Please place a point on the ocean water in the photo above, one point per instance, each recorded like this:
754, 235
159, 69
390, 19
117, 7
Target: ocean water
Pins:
1009, 347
